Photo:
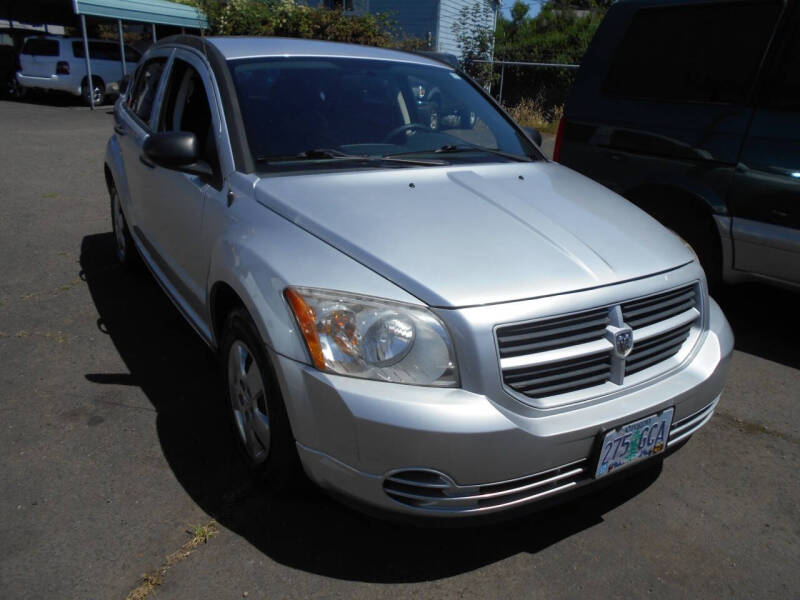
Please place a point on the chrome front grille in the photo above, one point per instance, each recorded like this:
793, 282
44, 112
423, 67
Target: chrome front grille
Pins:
431, 490
652, 309
560, 377
560, 355
656, 349
549, 334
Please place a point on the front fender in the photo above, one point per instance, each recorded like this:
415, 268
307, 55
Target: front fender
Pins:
260, 253
113, 160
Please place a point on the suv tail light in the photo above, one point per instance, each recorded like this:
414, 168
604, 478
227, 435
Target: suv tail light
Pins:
559, 136
62, 68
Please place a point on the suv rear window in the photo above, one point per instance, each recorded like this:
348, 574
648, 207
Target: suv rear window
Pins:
781, 90
707, 53
40, 47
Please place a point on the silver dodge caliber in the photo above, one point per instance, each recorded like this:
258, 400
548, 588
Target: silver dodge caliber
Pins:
407, 298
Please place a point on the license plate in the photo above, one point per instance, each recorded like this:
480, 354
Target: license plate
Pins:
633, 442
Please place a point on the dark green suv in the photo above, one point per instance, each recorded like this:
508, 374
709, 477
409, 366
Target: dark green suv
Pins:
691, 110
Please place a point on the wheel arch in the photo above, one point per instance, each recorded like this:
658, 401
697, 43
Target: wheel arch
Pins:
114, 172
693, 216
95, 77
672, 204
222, 300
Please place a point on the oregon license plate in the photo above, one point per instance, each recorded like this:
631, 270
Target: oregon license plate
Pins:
633, 442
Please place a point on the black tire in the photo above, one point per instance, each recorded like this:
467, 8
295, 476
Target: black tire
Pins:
98, 89
15, 90
278, 465
124, 250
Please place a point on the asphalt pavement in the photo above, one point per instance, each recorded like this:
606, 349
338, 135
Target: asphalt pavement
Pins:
113, 455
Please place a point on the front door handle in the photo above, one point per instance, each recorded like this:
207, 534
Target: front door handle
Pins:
146, 163
120, 130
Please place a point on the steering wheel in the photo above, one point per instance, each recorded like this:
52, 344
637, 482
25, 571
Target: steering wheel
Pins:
402, 129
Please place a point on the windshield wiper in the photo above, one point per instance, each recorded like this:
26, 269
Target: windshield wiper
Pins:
453, 148
331, 154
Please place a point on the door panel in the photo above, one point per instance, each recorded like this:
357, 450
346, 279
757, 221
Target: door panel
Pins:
132, 126
177, 226
765, 200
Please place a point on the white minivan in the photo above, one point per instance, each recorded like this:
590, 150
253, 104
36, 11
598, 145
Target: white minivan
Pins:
59, 64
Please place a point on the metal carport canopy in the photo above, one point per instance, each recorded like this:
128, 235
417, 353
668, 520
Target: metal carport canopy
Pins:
161, 12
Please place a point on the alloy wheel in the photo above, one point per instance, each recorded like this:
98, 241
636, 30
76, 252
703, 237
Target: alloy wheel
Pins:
248, 400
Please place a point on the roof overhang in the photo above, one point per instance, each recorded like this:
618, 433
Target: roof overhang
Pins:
161, 12
64, 12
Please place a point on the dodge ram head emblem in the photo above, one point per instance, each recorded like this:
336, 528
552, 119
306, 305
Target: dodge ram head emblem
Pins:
623, 342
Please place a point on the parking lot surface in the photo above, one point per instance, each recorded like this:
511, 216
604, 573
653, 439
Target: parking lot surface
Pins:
114, 453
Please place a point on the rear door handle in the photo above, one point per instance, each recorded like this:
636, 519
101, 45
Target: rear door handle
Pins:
146, 162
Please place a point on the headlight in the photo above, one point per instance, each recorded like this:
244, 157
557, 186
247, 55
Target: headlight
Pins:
373, 338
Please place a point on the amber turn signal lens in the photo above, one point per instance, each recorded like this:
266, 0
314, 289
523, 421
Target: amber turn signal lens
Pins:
306, 319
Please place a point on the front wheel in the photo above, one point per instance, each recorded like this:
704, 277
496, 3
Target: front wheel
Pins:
15, 90
124, 249
97, 89
258, 414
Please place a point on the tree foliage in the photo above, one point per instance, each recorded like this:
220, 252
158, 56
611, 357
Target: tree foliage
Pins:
284, 18
476, 39
560, 33
554, 35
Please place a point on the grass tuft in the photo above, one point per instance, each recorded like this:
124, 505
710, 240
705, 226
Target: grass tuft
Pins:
531, 112
200, 534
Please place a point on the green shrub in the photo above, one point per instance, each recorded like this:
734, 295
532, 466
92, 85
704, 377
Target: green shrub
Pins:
284, 18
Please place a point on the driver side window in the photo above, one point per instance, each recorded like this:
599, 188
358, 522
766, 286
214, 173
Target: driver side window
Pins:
141, 98
186, 108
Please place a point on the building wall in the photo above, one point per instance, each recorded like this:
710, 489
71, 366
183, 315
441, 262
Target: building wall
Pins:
425, 19
416, 18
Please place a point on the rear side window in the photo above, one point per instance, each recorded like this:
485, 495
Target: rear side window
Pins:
97, 50
143, 94
781, 89
707, 53
132, 55
40, 47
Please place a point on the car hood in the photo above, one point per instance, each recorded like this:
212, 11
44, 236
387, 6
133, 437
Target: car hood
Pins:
465, 236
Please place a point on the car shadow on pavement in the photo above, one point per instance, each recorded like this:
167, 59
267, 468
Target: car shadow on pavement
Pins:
307, 531
54, 99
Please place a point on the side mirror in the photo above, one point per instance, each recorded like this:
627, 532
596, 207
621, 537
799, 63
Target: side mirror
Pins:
123, 84
534, 134
176, 150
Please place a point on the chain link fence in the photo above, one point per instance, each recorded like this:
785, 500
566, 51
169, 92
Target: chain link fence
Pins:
534, 92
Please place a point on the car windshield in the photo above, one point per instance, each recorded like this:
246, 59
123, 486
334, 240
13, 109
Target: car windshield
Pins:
350, 113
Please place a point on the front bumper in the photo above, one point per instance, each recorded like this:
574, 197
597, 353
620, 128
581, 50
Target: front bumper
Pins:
450, 452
